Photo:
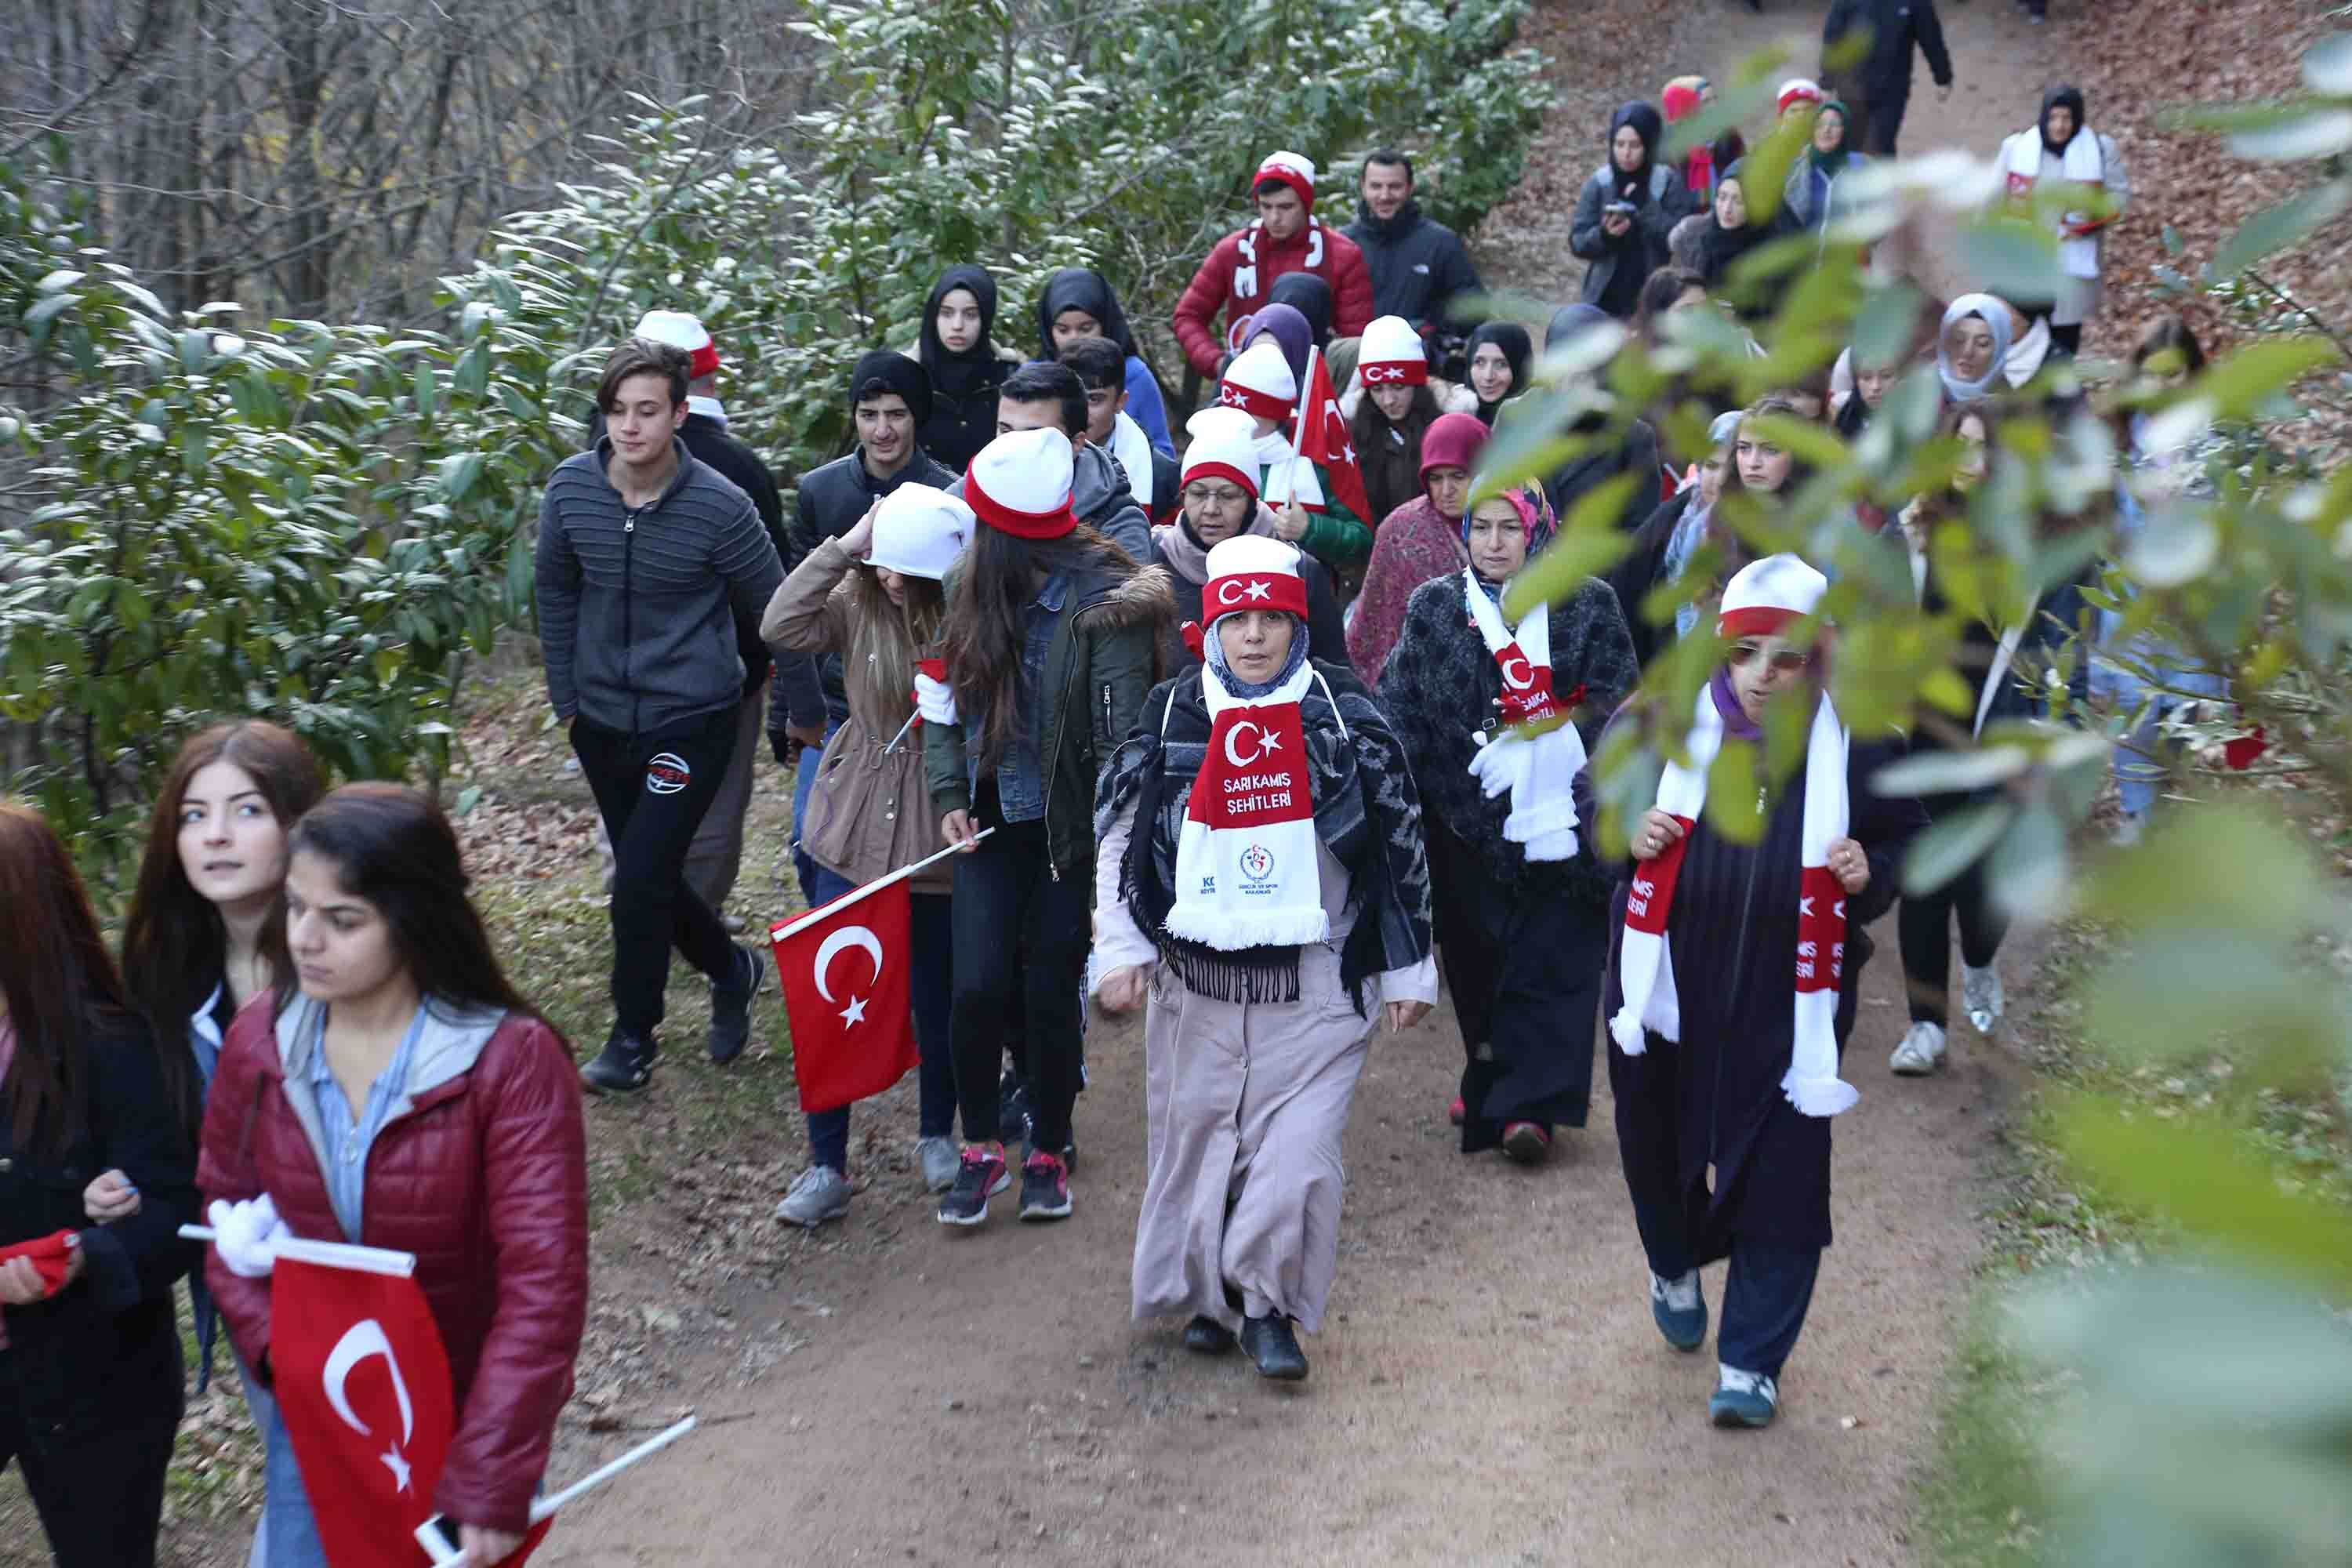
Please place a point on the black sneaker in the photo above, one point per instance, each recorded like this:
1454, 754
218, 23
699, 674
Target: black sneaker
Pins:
1275, 1348
1013, 1102
731, 1006
625, 1065
981, 1176
1045, 1187
1206, 1336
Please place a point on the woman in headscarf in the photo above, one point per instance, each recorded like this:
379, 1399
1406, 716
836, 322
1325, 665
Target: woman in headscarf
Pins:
1394, 404
1077, 302
1973, 347
1291, 328
1220, 501
1420, 540
1635, 454
1521, 916
1270, 901
965, 365
1309, 294
1727, 234
1625, 212
2061, 148
1732, 986
1811, 193
1499, 353
1666, 544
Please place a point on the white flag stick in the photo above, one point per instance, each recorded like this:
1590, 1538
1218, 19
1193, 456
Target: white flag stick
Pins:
1298, 423
902, 732
777, 932
329, 1254
547, 1505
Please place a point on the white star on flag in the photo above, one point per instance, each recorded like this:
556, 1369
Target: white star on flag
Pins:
1260, 590
1268, 743
856, 1012
397, 1463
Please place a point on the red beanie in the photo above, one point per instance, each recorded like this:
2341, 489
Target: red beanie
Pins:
1451, 441
1679, 99
1293, 170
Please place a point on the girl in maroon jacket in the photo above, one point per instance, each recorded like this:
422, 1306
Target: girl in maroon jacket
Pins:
405, 1097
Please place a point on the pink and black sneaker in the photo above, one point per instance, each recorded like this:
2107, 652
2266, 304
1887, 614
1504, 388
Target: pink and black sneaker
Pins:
1045, 1187
981, 1177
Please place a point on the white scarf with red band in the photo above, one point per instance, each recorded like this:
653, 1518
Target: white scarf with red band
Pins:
1246, 272
2083, 164
1537, 768
1246, 870
1645, 962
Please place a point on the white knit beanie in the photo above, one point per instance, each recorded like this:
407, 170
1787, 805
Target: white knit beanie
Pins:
1392, 354
1259, 382
920, 531
1020, 484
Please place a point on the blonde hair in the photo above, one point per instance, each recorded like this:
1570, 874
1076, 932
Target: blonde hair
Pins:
885, 641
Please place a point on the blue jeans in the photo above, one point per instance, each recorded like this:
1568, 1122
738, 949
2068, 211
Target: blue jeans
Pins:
803, 781
288, 1536
929, 930
2139, 760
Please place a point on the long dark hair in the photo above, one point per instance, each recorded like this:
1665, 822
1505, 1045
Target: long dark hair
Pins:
1390, 451
981, 638
60, 981
174, 946
1659, 292
1736, 550
391, 846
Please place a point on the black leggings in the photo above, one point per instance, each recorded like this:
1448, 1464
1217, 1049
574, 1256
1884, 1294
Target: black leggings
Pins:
1924, 927
1020, 935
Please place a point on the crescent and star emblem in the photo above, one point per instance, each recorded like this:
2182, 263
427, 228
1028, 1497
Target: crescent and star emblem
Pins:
846, 937
1516, 674
1235, 591
361, 1340
1267, 744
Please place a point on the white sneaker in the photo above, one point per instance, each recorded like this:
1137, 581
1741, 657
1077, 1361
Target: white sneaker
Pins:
940, 1159
1980, 994
1921, 1052
817, 1194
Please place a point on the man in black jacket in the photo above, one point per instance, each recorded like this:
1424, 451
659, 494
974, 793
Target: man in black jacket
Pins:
1418, 265
1876, 85
647, 558
1050, 396
889, 399
716, 855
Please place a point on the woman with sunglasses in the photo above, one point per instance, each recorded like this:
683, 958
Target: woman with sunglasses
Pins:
1732, 983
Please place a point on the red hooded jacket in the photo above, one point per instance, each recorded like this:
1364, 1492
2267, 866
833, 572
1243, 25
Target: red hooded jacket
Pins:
482, 1174
1317, 249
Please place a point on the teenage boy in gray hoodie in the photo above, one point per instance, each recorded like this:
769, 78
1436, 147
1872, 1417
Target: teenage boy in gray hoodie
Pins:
647, 557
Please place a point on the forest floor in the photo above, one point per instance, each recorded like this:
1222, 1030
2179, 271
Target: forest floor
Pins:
1489, 1389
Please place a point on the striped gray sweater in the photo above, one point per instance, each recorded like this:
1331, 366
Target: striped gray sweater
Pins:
636, 611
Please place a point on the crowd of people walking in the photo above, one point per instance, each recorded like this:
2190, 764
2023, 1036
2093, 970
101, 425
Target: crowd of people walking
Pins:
1212, 746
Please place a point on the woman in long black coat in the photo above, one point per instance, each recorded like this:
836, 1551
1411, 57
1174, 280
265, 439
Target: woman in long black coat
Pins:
1520, 911
1731, 1087
90, 1355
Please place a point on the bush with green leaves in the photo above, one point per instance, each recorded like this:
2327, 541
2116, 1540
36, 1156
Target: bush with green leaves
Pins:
2211, 1417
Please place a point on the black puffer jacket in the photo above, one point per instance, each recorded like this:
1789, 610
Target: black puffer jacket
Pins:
1897, 27
1418, 265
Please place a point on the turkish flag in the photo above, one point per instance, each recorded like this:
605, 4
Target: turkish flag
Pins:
845, 970
1324, 439
362, 1381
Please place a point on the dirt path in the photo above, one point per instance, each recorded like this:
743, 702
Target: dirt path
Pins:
1489, 1389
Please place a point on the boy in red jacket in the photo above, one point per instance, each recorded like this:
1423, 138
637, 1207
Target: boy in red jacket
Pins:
1286, 237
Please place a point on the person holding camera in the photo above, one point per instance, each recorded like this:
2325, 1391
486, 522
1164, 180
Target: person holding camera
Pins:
1626, 211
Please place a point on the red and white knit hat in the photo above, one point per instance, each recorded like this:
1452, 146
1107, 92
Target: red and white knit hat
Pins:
1798, 89
1392, 354
681, 330
1020, 484
1768, 595
1251, 571
1259, 382
1293, 170
1223, 453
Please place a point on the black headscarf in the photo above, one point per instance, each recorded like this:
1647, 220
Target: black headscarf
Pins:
1080, 288
1310, 297
957, 375
1652, 128
896, 373
1518, 349
2067, 97
1719, 247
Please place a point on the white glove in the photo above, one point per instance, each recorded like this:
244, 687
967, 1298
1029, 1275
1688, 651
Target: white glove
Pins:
934, 699
1500, 764
247, 1235
1561, 844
